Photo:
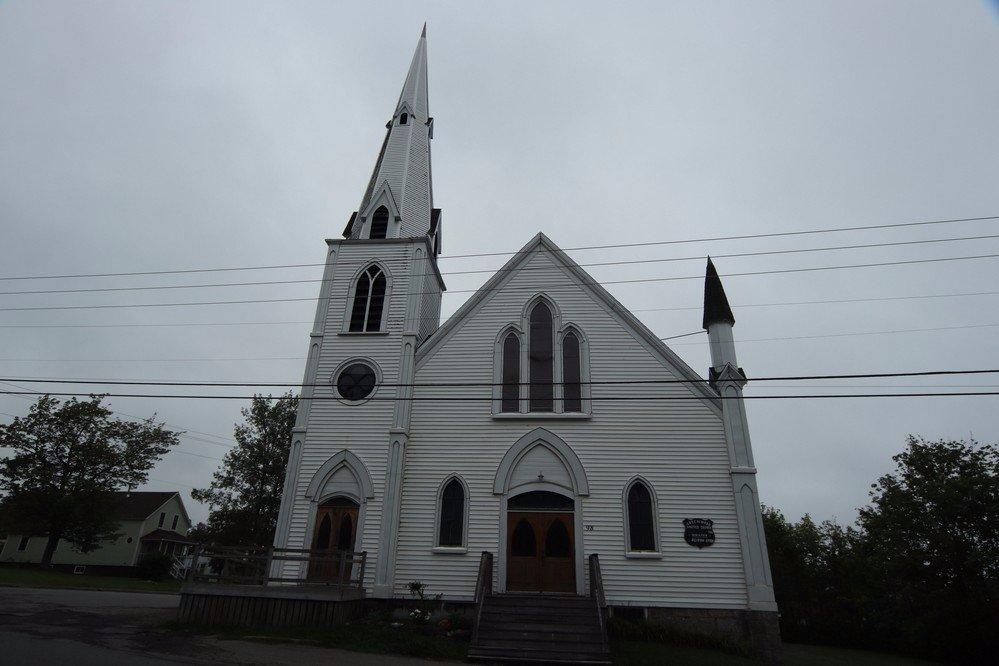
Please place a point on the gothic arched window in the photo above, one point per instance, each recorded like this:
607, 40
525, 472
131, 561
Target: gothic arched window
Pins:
571, 374
379, 223
451, 524
641, 518
542, 367
404, 118
369, 300
511, 374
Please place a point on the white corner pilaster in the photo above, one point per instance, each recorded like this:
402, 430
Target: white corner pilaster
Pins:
729, 381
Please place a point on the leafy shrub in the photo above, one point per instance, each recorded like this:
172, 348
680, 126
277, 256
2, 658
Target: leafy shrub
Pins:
155, 566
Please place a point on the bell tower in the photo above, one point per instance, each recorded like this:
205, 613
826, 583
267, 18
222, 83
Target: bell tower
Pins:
380, 297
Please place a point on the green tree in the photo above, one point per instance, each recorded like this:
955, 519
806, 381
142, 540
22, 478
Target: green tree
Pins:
245, 493
932, 538
68, 461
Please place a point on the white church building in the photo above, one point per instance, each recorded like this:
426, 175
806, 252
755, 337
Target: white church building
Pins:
541, 423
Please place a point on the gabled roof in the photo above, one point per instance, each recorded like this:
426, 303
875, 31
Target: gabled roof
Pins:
160, 534
585, 281
137, 505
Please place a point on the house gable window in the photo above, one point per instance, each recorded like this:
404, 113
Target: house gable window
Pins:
404, 118
379, 223
162, 518
176, 517
369, 300
452, 505
23, 543
640, 511
542, 360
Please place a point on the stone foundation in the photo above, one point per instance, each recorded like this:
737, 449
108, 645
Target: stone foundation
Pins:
755, 632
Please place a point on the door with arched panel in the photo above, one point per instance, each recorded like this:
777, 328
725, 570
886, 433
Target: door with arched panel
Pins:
540, 545
333, 539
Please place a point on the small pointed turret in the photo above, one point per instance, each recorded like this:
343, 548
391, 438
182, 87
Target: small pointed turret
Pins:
716, 307
400, 192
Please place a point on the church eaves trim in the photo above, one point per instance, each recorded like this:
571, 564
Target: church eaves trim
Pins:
614, 307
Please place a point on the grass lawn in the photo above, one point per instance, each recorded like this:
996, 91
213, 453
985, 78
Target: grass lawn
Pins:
18, 577
360, 636
638, 653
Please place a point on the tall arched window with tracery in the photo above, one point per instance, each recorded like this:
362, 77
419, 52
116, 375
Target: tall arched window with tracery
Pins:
369, 301
542, 366
510, 398
379, 223
641, 518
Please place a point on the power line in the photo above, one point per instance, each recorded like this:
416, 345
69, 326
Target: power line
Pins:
628, 262
302, 358
609, 382
835, 301
184, 431
490, 397
510, 253
481, 290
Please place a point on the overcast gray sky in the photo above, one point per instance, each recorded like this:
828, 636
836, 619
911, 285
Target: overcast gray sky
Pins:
158, 135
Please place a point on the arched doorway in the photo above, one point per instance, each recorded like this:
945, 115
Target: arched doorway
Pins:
335, 532
542, 484
540, 551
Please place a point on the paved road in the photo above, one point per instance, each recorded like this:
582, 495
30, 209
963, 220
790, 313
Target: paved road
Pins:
94, 628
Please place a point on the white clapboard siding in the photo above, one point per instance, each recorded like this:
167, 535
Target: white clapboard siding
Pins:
677, 446
363, 429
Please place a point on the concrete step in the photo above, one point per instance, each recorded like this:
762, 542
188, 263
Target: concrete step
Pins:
537, 656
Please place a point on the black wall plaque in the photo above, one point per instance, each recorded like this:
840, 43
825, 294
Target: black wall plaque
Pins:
698, 532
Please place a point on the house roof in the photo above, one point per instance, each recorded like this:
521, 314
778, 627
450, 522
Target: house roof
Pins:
161, 534
136, 505
641, 332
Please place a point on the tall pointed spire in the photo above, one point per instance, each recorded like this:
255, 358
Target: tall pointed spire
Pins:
401, 179
716, 307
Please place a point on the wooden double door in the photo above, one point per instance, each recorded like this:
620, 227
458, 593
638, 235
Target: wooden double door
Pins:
540, 552
333, 540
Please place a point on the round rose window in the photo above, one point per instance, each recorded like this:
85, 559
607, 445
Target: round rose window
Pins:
356, 382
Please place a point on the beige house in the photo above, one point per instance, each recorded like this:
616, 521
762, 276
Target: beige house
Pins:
149, 521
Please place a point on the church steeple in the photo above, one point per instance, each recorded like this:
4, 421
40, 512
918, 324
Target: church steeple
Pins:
400, 186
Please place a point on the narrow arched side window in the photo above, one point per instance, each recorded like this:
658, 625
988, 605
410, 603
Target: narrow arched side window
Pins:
641, 518
451, 522
572, 388
542, 367
379, 223
369, 301
511, 374
404, 118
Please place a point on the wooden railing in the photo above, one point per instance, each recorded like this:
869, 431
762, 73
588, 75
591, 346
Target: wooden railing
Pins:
483, 588
597, 594
343, 569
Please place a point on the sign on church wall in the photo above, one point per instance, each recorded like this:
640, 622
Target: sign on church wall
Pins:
699, 532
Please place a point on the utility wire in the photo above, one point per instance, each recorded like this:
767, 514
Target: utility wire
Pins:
301, 358
490, 397
835, 301
84, 290
499, 254
504, 288
608, 382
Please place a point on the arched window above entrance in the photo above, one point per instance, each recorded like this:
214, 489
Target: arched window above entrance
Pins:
540, 500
